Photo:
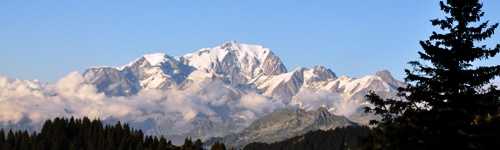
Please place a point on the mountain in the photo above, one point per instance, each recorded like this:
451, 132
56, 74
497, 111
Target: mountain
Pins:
212, 92
351, 138
151, 71
236, 63
283, 124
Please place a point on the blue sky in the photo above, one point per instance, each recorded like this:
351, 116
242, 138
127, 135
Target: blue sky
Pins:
47, 39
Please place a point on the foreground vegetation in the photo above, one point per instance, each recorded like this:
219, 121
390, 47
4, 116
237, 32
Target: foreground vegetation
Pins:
449, 102
86, 134
351, 138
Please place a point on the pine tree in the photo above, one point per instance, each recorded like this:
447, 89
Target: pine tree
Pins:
198, 145
218, 146
188, 144
2, 138
447, 103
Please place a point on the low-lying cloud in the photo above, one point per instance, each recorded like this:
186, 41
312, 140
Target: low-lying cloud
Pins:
26, 104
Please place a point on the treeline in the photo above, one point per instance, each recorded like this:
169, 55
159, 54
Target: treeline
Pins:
351, 138
86, 134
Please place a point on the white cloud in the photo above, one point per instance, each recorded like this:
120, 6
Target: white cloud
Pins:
74, 86
10, 113
170, 110
72, 96
258, 103
342, 105
312, 99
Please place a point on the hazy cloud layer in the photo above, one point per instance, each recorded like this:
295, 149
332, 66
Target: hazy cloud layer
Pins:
72, 96
26, 104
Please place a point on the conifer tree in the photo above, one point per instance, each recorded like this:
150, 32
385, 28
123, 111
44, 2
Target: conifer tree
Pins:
188, 144
448, 102
2, 138
198, 145
218, 146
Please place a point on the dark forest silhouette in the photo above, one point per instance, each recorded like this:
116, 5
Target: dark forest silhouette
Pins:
86, 134
344, 138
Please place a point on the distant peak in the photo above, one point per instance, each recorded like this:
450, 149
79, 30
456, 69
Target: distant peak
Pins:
154, 56
231, 42
155, 59
385, 75
320, 72
323, 115
244, 47
383, 72
229, 45
319, 68
299, 69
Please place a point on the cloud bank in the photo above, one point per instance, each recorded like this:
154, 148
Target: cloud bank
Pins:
27, 104
32, 102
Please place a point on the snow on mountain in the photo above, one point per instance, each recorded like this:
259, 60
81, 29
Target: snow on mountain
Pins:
282, 86
212, 92
156, 59
112, 81
286, 85
318, 74
151, 71
237, 62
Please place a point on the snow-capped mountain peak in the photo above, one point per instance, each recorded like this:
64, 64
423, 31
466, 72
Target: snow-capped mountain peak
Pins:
387, 76
235, 61
246, 50
152, 59
156, 59
319, 73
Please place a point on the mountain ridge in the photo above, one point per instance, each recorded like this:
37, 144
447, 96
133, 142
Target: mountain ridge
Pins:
212, 92
244, 68
233, 62
283, 124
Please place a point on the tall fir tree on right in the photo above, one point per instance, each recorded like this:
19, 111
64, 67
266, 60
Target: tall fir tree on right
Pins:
449, 102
